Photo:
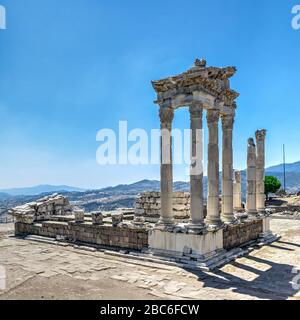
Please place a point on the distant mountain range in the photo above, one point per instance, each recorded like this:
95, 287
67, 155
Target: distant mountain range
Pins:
111, 198
29, 191
289, 167
292, 179
292, 175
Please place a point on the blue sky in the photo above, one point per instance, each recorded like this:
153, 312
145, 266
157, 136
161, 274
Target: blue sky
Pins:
69, 68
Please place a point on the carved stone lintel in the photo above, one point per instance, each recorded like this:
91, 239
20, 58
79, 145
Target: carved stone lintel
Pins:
212, 116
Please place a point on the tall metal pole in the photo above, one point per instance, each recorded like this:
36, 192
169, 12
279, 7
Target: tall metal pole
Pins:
284, 179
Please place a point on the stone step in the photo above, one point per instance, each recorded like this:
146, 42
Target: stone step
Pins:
40, 239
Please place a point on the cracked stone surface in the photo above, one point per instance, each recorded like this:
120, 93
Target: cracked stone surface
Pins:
37, 270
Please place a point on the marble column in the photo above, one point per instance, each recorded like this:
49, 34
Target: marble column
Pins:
260, 171
237, 192
196, 170
251, 179
213, 205
166, 168
227, 169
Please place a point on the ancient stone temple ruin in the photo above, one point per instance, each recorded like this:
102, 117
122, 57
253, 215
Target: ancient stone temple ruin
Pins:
178, 227
202, 89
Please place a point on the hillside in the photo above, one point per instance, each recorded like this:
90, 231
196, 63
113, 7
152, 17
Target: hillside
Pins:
124, 195
289, 167
36, 190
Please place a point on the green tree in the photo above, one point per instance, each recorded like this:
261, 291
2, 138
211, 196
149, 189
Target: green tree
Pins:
272, 185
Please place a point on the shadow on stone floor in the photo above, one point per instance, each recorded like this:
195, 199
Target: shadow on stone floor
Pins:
276, 202
279, 247
273, 283
288, 243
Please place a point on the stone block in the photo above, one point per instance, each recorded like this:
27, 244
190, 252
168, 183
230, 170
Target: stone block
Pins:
97, 218
79, 215
117, 218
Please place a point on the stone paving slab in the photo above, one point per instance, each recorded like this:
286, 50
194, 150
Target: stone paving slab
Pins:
45, 271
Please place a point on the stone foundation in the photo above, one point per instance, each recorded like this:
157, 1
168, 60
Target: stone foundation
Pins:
86, 232
237, 235
207, 242
206, 248
179, 244
148, 205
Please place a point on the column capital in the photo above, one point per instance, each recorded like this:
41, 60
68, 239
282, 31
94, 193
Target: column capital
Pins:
251, 143
196, 110
260, 134
166, 115
237, 176
227, 121
212, 116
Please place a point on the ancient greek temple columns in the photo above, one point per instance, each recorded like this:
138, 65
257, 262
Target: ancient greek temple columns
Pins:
227, 168
196, 170
166, 170
202, 89
213, 204
237, 192
251, 179
260, 170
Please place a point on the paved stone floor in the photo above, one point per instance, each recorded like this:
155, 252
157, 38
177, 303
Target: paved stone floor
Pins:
44, 271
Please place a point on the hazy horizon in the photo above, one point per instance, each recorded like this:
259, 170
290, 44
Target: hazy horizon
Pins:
67, 73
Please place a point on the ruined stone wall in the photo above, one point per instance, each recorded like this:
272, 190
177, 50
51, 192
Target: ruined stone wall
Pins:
148, 205
236, 235
42, 209
102, 235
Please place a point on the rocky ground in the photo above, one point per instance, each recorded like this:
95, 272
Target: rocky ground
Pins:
285, 206
42, 271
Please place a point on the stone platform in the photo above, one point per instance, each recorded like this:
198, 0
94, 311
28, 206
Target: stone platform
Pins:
87, 233
209, 248
40, 271
176, 246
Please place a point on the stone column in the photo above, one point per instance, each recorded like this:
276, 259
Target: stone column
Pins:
166, 168
213, 207
237, 192
196, 170
227, 169
260, 171
251, 179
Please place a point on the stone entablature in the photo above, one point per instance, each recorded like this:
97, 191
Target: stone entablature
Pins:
208, 85
42, 209
148, 205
